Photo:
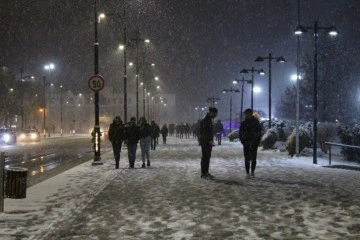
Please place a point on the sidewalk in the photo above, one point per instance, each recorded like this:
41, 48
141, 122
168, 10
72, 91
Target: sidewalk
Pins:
290, 198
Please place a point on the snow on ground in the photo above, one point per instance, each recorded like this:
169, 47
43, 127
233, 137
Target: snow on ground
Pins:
290, 198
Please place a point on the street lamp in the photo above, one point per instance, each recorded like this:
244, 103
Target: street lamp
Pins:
213, 100
96, 131
270, 58
231, 90
332, 32
252, 71
137, 39
144, 83
123, 47
49, 67
236, 81
61, 110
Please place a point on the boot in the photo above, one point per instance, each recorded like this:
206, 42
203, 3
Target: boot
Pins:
148, 163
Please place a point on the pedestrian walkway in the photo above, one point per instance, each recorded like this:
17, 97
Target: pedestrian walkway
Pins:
290, 198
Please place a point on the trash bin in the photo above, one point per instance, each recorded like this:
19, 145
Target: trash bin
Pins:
16, 181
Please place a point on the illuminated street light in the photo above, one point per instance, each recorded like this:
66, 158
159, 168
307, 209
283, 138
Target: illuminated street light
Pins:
270, 58
252, 70
332, 32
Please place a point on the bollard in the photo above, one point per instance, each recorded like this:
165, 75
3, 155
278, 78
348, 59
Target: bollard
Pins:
2, 177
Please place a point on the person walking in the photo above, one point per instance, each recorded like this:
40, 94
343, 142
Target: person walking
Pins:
132, 138
145, 141
116, 137
164, 132
155, 133
219, 128
250, 137
206, 141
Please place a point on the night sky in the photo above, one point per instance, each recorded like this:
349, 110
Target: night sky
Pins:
199, 46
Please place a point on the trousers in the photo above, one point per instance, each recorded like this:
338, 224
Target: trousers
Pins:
206, 150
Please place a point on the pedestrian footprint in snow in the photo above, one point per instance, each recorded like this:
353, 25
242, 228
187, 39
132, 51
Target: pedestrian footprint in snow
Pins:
250, 136
206, 141
116, 137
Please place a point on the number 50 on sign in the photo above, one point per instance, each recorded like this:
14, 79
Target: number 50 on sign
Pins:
96, 83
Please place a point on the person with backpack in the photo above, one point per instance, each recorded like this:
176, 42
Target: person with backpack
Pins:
250, 137
145, 141
116, 137
164, 132
132, 139
206, 141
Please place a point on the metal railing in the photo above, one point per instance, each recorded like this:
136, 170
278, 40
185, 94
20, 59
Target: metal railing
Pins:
339, 145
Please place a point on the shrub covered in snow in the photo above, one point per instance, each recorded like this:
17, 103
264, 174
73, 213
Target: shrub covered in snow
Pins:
304, 138
269, 138
326, 133
350, 136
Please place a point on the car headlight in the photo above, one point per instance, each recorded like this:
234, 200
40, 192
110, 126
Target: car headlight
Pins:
33, 136
7, 137
22, 136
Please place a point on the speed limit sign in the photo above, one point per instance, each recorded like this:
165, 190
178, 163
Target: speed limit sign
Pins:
96, 83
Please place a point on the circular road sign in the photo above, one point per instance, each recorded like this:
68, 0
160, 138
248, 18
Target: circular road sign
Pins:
96, 83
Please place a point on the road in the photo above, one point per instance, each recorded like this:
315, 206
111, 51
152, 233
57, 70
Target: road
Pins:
50, 156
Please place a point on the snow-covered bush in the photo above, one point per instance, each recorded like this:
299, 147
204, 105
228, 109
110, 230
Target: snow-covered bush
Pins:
350, 136
304, 138
269, 138
326, 133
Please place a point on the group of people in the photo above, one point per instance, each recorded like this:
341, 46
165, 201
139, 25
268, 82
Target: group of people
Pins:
249, 134
131, 133
148, 134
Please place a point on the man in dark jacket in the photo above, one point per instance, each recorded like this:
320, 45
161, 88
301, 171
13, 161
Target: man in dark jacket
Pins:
206, 141
250, 136
132, 138
155, 133
164, 132
116, 137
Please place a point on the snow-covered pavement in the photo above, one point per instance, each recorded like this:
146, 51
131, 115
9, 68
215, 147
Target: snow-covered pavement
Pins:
290, 198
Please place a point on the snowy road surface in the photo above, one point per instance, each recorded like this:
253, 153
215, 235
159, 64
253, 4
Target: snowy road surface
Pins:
288, 199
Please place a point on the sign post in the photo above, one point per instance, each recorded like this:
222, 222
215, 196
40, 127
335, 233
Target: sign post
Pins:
96, 83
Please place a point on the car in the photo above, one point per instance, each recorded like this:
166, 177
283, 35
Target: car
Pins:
29, 135
7, 136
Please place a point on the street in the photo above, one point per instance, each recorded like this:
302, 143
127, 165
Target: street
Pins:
50, 156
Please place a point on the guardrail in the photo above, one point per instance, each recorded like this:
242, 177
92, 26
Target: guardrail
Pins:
339, 145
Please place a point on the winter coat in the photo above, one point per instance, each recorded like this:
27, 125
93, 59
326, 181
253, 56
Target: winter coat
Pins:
206, 131
219, 127
164, 131
155, 131
132, 134
116, 132
250, 131
145, 130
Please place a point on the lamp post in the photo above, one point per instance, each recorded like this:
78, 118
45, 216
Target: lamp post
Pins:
252, 71
236, 81
213, 100
332, 32
137, 39
96, 131
145, 83
61, 110
49, 68
231, 90
270, 58
123, 47
44, 109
